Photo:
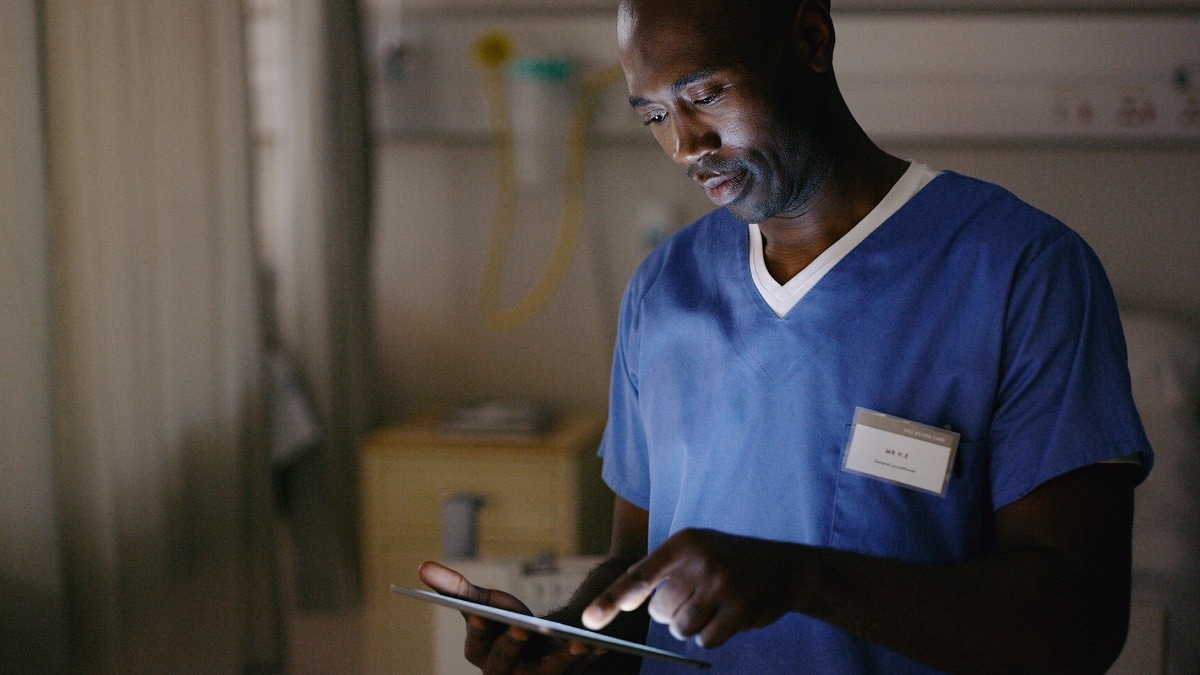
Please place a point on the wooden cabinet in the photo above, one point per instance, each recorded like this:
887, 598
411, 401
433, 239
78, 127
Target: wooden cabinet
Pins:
539, 494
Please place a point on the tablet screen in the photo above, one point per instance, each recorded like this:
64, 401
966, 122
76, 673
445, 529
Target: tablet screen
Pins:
547, 627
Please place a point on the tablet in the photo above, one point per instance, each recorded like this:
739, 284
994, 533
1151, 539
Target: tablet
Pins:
546, 627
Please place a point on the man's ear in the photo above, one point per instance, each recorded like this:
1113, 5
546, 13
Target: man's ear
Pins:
813, 35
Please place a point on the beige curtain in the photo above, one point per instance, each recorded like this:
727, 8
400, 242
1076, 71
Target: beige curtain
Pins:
319, 252
32, 636
163, 487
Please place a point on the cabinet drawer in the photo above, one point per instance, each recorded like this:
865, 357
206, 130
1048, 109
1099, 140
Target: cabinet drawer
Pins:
525, 498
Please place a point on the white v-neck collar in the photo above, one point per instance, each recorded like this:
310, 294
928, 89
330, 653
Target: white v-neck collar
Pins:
782, 298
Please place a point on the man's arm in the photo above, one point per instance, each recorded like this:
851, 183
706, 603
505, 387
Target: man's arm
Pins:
496, 648
1052, 596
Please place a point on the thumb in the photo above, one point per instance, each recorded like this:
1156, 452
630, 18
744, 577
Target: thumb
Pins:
449, 582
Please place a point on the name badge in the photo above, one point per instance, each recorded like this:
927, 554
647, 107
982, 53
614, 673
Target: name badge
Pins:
899, 451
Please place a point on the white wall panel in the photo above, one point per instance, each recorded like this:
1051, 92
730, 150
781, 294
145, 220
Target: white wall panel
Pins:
598, 6
905, 76
1026, 77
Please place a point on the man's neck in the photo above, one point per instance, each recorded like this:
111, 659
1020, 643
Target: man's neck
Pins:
792, 241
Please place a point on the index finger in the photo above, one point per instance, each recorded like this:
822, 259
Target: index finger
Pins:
630, 589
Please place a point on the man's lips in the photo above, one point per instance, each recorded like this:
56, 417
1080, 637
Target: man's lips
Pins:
723, 188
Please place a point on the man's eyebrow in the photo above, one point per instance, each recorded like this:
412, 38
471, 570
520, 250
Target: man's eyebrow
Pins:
676, 86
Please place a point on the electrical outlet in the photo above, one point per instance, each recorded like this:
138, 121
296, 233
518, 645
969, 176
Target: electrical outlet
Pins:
1136, 109
1188, 116
1074, 110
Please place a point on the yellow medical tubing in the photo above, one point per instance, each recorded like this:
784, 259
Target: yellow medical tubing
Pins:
492, 52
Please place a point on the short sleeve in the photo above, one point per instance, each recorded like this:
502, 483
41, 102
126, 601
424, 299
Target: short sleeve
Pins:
1064, 398
623, 446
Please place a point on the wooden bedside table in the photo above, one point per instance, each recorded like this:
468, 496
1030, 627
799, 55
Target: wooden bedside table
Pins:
539, 494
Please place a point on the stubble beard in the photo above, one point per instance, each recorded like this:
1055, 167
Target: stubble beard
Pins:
798, 180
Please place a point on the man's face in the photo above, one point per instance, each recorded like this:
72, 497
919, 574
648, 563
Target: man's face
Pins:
729, 112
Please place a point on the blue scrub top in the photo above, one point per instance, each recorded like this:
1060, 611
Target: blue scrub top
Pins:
967, 309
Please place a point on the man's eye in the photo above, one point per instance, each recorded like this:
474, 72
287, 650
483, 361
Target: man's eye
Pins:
654, 118
706, 100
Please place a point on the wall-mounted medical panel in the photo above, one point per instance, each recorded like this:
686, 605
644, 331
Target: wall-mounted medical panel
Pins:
511, 6
906, 76
1022, 77
428, 79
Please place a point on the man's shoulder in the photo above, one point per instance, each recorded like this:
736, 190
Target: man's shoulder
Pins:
984, 199
976, 210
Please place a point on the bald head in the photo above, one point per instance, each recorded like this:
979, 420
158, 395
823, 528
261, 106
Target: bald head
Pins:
729, 9
792, 35
746, 25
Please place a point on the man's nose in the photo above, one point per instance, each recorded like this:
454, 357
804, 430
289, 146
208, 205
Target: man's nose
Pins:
693, 139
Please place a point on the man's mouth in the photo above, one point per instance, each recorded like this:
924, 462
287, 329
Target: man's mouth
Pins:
723, 188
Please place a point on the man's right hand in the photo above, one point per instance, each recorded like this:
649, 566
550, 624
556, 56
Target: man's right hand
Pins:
499, 649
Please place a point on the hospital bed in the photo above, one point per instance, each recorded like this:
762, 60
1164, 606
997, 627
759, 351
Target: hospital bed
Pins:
1164, 365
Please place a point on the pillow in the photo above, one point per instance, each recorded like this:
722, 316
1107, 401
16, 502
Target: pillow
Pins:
1164, 368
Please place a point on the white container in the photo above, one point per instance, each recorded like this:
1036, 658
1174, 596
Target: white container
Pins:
541, 102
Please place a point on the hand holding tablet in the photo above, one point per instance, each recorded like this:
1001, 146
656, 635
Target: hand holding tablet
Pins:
449, 581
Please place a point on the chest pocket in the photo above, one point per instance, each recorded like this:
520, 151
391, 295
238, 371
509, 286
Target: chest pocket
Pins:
878, 518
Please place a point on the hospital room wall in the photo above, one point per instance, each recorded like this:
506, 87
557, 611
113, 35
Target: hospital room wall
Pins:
434, 216
1139, 207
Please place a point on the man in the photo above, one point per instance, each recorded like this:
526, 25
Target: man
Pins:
755, 348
